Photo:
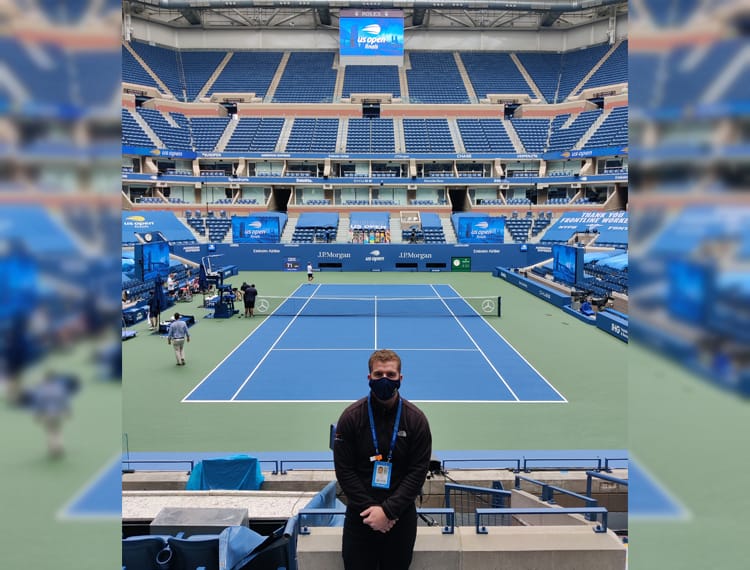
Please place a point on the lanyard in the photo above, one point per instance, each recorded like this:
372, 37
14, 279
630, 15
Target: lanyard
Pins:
395, 428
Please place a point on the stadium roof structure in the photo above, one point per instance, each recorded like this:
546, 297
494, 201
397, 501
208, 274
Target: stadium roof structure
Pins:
418, 14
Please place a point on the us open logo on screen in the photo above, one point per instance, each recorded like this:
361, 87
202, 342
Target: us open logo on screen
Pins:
375, 256
369, 37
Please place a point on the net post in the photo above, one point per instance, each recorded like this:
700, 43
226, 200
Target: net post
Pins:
499, 306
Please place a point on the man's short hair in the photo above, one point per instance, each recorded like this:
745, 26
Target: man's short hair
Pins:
384, 355
177, 315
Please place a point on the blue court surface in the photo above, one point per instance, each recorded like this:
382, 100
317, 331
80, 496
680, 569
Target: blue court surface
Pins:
646, 497
332, 329
100, 498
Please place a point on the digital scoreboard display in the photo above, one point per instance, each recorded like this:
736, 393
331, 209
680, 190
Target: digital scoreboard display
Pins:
371, 37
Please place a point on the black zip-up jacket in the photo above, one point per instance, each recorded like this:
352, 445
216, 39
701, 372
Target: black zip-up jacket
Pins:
353, 448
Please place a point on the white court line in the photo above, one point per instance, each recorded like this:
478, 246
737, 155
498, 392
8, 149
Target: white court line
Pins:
278, 338
475, 344
63, 514
684, 515
451, 402
370, 348
240, 344
564, 399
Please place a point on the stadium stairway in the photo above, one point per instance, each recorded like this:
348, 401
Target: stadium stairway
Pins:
592, 129
276, 78
162, 86
342, 135
338, 87
595, 68
147, 129
396, 228
458, 142
527, 77
448, 231
465, 77
226, 135
286, 235
398, 134
286, 130
342, 232
219, 68
403, 83
513, 136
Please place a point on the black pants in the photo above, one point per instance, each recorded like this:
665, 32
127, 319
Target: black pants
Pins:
366, 549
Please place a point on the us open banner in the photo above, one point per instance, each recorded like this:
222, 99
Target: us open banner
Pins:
478, 229
255, 229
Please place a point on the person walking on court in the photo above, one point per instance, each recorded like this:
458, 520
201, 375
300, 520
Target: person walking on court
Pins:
177, 335
249, 299
50, 403
309, 271
381, 452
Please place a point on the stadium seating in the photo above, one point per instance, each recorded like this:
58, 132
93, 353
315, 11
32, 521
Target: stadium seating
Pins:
255, 135
173, 137
613, 70
612, 132
197, 68
434, 78
532, 132
247, 72
132, 133
308, 77
427, 135
133, 71
313, 135
566, 138
483, 135
207, 131
494, 72
371, 79
370, 135
163, 62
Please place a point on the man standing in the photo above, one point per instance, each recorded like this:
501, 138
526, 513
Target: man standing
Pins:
381, 453
249, 299
177, 335
309, 271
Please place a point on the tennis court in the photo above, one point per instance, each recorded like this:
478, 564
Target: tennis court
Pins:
314, 346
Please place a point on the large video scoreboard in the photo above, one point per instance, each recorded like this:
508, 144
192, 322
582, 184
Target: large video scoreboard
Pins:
371, 37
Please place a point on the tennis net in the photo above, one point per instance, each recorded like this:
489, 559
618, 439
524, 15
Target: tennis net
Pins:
377, 306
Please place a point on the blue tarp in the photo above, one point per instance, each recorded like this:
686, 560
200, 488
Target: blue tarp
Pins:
326, 499
237, 472
430, 220
369, 220
616, 261
612, 226
318, 220
36, 230
143, 221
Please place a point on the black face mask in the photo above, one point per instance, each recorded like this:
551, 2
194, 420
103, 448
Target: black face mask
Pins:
384, 388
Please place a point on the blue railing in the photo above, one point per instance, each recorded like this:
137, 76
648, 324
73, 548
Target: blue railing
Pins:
128, 462
589, 511
592, 474
548, 492
448, 528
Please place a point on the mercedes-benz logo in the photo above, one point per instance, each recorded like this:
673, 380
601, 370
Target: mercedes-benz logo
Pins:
488, 305
262, 306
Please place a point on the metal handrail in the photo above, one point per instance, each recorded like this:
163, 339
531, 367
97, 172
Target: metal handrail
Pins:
527, 460
591, 474
287, 461
516, 461
191, 462
592, 511
548, 492
485, 490
608, 459
447, 529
